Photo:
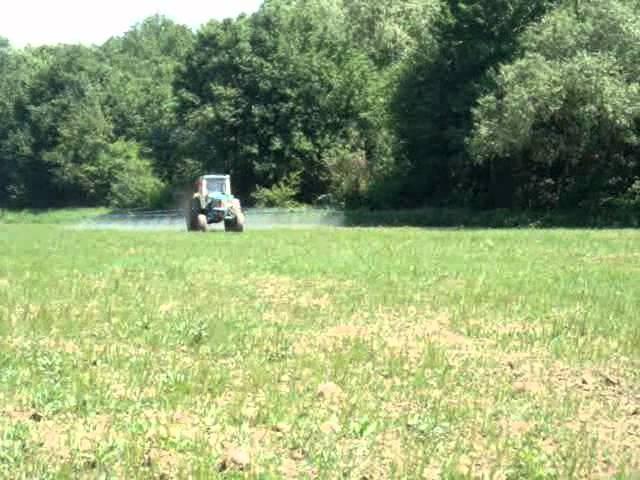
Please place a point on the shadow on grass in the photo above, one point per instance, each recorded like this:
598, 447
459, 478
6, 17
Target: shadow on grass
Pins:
451, 218
49, 216
493, 219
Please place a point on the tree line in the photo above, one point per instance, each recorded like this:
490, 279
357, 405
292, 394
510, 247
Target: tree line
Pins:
360, 103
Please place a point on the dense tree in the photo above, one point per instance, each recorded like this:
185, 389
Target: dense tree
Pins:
140, 98
64, 126
441, 84
562, 127
508, 103
275, 93
19, 172
65, 109
300, 86
387, 31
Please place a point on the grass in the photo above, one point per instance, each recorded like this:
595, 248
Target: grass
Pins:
49, 217
497, 218
436, 217
329, 353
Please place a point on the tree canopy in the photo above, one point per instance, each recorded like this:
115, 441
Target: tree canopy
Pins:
561, 126
510, 103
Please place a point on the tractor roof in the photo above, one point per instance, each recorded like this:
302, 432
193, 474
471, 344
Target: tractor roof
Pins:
215, 176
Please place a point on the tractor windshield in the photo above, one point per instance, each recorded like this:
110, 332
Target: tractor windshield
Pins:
216, 185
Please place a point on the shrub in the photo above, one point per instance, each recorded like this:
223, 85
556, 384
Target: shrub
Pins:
134, 183
281, 195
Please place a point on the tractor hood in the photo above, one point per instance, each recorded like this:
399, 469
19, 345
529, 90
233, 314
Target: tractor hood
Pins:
219, 196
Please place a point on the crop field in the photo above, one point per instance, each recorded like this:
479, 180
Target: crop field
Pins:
320, 353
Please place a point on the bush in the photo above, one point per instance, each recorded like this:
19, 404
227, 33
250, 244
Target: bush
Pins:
561, 128
627, 201
134, 183
281, 195
349, 173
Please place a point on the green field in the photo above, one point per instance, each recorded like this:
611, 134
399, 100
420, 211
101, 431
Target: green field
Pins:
50, 217
327, 353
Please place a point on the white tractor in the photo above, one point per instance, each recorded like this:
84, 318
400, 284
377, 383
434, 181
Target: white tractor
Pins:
213, 203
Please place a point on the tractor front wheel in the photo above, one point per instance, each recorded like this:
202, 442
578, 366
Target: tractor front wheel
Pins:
233, 226
237, 223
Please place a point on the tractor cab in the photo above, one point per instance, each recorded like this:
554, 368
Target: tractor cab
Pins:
212, 203
214, 184
218, 183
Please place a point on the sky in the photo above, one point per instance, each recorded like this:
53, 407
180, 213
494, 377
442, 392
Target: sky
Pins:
38, 22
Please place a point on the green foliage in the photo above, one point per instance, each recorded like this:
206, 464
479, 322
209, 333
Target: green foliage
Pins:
511, 103
283, 90
443, 80
50, 217
76, 162
133, 182
389, 32
562, 126
630, 199
350, 175
63, 108
140, 98
56, 123
282, 195
533, 464
16, 70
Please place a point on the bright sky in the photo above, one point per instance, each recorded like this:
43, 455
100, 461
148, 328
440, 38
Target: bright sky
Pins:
38, 22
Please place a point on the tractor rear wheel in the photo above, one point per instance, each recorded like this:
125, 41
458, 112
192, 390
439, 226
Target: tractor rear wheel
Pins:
196, 221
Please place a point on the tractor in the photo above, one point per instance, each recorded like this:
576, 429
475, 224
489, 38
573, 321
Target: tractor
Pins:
213, 203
